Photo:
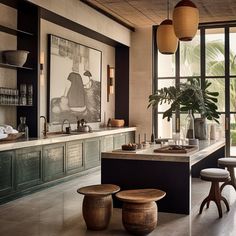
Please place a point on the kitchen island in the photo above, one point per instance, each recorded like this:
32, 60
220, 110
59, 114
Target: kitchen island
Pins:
170, 172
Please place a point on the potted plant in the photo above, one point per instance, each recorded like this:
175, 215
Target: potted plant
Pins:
190, 96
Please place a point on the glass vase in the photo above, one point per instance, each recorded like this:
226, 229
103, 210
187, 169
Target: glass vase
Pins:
189, 126
23, 128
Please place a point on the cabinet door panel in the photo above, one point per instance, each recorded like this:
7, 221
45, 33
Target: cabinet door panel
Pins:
107, 143
74, 156
28, 167
92, 153
6, 172
119, 140
130, 137
54, 161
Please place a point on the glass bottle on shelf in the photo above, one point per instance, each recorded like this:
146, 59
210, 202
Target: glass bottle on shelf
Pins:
189, 126
23, 128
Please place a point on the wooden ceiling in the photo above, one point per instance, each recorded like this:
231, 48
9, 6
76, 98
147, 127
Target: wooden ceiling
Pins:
151, 12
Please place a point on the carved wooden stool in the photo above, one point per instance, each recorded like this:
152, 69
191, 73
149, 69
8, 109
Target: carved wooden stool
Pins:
215, 175
139, 211
98, 205
230, 163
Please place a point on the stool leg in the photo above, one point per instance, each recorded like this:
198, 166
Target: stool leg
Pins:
206, 200
226, 202
232, 180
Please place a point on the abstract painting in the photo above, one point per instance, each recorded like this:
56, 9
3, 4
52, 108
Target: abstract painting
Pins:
74, 89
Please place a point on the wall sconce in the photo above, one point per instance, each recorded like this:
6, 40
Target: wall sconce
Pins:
110, 81
41, 62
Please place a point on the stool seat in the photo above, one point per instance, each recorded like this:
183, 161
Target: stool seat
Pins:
227, 161
215, 173
99, 190
139, 211
230, 163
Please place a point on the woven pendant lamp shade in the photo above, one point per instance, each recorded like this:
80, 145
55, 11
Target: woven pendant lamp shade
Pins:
185, 20
167, 42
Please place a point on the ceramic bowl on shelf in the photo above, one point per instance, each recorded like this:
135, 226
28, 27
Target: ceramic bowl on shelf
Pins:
15, 57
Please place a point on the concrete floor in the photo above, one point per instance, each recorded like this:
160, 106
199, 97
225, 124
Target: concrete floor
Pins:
58, 211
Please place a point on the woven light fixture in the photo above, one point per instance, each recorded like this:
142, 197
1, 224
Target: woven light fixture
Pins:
167, 41
185, 20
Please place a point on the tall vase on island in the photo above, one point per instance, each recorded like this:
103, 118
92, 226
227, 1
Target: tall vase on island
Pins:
189, 127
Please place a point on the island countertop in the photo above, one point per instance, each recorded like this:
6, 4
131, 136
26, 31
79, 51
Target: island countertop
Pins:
52, 139
206, 147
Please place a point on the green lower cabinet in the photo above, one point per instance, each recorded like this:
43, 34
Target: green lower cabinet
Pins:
28, 167
6, 172
92, 152
53, 161
74, 157
130, 137
107, 143
119, 140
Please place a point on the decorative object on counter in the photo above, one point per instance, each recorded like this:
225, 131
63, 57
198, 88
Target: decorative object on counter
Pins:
45, 126
110, 81
129, 147
82, 127
185, 20
23, 128
98, 205
15, 57
213, 132
9, 96
117, 123
176, 149
68, 128
192, 95
140, 146
109, 122
189, 126
145, 144
167, 42
80, 94
200, 128
139, 210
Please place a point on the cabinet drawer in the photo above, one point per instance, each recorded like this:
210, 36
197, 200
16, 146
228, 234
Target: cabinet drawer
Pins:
107, 143
74, 156
130, 137
54, 161
28, 167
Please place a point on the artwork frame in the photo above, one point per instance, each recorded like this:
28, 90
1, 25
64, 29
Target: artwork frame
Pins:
74, 82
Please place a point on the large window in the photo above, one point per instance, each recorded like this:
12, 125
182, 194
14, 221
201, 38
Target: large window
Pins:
210, 55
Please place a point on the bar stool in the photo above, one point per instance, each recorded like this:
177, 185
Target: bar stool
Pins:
230, 163
98, 205
215, 175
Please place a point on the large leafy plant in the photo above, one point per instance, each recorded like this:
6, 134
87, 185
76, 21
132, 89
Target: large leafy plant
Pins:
189, 96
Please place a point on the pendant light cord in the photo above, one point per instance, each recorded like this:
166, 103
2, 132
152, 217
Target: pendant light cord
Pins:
168, 9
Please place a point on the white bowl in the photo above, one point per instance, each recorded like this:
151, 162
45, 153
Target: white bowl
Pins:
15, 57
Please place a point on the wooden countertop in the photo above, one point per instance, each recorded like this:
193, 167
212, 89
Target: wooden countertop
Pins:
206, 147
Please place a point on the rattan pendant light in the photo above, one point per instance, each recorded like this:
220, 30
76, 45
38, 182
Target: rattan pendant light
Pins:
167, 41
185, 20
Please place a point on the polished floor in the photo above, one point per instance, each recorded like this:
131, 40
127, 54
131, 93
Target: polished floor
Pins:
57, 211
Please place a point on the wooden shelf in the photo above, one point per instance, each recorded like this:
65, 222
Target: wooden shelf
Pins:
13, 31
15, 105
4, 65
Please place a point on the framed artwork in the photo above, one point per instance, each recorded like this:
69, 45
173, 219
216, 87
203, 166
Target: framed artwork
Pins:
74, 88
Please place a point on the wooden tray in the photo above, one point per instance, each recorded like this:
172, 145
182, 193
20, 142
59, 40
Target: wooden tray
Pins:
12, 137
170, 149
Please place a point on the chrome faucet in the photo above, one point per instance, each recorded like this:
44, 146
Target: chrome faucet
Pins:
67, 128
45, 127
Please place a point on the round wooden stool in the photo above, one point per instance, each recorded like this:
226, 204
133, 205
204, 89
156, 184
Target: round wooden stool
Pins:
139, 211
230, 163
98, 205
215, 175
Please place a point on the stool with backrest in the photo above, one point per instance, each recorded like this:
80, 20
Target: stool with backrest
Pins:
215, 175
230, 164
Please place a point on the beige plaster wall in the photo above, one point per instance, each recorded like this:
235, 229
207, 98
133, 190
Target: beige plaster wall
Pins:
86, 16
141, 80
7, 76
108, 57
